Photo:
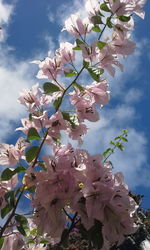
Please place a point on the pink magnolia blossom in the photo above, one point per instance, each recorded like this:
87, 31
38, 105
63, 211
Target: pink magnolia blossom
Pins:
77, 26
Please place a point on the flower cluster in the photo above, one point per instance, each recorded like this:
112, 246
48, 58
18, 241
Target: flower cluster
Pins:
70, 181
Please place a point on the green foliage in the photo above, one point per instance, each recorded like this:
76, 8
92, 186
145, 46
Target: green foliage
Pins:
33, 134
104, 7
57, 103
6, 210
96, 20
124, 18
22, 224
96, 28
31, 153
71, 73
50, 88
75, 84
73, 119
8, 173
1, 242
95, 73
116, 143
101, 44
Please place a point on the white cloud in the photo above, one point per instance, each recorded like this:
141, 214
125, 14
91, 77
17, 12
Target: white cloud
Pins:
6, 11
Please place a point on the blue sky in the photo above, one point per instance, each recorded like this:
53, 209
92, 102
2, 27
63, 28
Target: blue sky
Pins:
30, 30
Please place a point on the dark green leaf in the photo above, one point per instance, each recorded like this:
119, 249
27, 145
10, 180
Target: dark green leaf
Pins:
124, 18
71, 118
10, 198
96, 20
79, 42
31, 153
86, 64
50, 88
78, 86
101, 44
6, 210
104, 7
109, 23
1, 242
57, 103
8, 173
96, 29
33, 134
71, 73
95, 73
124, 139
23, 222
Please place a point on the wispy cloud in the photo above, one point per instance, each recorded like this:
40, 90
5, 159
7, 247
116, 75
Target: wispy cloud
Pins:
6, 11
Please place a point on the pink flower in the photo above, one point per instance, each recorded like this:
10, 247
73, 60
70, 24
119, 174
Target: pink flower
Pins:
29, 98
99, 91
50, 68
76, 26
123, 47
89, 52
77, 132
13, 242
66, 52
92, 7
107, 60
10, 154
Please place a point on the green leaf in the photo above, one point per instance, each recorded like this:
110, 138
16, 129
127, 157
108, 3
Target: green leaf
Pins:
33, 134
50, 88
109, 23
8, 173
104, 7
95, 73
96, 20
10, 198
1, 242
6, 210
124, 18
124, 139
57, 103
77, 48
44, 242
96, 29
31, 153
101, 44
71, 73
73, 119
79, 42
22, 228
86, 64
75, 84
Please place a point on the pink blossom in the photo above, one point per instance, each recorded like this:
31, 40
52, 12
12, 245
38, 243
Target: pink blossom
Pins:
50, 68
107, 60
77, 132
13, 242
66, 52
77, 26
29, 98
89, 52
10, 154
123, 47
92, 7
